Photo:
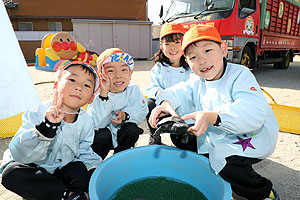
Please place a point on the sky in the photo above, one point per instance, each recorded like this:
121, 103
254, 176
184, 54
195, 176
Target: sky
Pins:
154, 9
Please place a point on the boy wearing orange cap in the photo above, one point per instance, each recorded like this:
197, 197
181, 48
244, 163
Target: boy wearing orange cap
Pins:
234, 124
50, 157
119, 107
170, 68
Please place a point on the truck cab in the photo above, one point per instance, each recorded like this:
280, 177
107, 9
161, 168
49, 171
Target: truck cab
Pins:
242, 25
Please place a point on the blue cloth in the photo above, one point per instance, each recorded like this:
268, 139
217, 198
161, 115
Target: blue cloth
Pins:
131, 101
72, 142
249, 127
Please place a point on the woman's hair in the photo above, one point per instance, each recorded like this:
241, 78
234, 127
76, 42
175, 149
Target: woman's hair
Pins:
159, 56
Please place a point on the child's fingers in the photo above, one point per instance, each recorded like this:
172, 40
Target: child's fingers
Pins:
172, 112
198, 129
54, 101
60, 113
153, 119
104, 76
60, 101
189, 116
102, 70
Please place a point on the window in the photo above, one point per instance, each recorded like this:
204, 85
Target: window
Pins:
54, 26
25, 26
246, 8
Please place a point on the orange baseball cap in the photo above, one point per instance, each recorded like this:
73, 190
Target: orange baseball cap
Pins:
168, 29
198, 33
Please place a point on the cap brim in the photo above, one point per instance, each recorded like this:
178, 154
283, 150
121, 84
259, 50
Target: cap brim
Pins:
199, 39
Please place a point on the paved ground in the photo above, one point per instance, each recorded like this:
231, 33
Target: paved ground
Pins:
282, 167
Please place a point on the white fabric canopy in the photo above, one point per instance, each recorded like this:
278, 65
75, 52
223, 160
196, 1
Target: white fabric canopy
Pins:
17, 91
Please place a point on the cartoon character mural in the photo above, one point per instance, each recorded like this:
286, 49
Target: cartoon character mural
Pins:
58, 48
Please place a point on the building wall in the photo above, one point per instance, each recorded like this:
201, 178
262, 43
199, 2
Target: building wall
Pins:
28, 48
42, 24
74, 9
41, 12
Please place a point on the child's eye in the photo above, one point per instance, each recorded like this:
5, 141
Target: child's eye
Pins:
72, 80
208, 50
124, 70
110, 71
87, 85
192, 57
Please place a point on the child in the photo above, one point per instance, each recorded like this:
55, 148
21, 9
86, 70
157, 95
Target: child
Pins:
119, 107
234, 124
170, 67
51, 157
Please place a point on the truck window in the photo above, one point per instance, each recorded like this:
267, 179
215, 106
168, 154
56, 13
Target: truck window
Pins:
185, 10
246, 8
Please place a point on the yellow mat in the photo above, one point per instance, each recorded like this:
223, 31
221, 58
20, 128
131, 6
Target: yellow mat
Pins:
9, 126
288, 117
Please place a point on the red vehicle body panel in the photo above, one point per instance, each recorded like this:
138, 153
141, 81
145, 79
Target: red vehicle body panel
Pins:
282, 33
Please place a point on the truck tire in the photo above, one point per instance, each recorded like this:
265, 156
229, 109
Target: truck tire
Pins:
285, 63
247, 58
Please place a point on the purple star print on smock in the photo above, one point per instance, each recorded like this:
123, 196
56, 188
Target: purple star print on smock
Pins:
245, 143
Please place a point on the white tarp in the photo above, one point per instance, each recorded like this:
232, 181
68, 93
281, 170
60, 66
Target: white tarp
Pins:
17, 91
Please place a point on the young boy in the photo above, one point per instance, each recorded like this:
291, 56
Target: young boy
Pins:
51, 157
234, 124
119, 107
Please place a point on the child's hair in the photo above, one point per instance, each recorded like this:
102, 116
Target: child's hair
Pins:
159, 56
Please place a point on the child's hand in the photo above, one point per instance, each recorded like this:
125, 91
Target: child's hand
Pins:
105, 84
120, 117
159, 111
55, 113
202, 119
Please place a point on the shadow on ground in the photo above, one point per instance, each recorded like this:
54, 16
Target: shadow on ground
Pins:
282, 78
286, 181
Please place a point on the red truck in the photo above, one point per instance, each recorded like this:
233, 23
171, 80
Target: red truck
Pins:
256, 31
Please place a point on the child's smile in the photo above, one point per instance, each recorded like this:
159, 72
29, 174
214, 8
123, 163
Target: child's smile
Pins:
77, 86
206, 59
206, 70
119, 74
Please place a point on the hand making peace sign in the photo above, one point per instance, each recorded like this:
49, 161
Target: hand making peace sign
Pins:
105, 83
55, 113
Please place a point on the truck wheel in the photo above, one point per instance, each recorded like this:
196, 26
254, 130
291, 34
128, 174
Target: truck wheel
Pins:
247, 59
285, 63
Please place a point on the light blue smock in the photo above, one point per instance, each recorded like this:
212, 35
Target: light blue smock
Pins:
72, 142
249, 127
131, 101
164, 76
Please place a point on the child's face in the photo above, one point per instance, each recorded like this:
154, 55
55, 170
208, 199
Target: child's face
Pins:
206, 59
172, 50
77, 86
119, 74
